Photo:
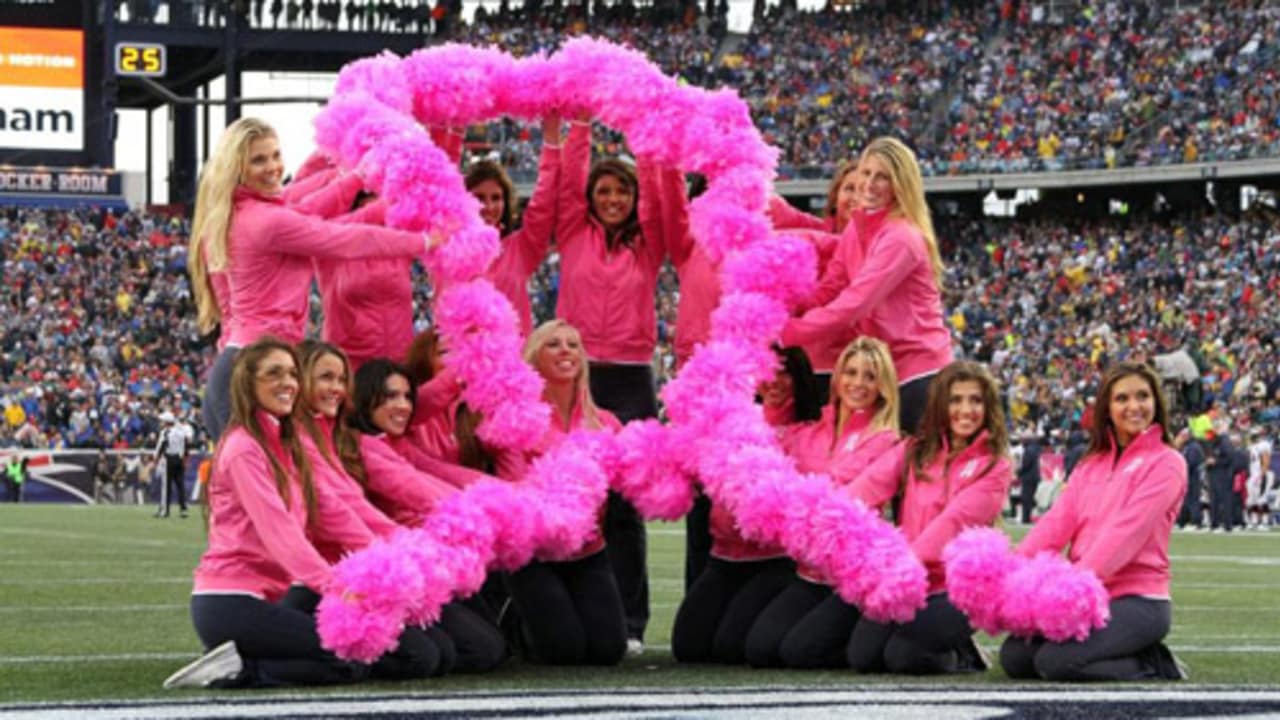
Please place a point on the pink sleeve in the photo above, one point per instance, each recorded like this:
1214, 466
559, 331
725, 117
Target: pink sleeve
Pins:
449, 141
538, 221
890, 260
509, 464
785, 216
1127, 528
403, 486
436, 396
316, 162
456, 475
338, 521
1056, 528
976, 504
880, 482
373, 213
780, 415
571, 191
285, 541
293, 233
303, 186
663, 211
834, 277
333, 199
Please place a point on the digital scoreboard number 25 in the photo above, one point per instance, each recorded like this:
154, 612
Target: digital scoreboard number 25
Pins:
140, 59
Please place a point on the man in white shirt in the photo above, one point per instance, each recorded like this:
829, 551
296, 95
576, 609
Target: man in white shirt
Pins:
174, 441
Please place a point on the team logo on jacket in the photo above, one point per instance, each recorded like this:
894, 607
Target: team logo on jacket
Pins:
1134, 464
969, 469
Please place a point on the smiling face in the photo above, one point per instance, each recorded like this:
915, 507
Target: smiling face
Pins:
965, 411
328, 389
777, 391
493, 202
858, 384
612, 200
560, 357
275, 384
392, 415
846, 198
874, 185
1132, 407
263, 166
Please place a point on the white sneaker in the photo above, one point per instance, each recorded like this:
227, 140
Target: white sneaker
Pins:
220, 663
635, 647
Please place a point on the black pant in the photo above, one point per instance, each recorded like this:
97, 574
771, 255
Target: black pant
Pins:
723, 605
174, 485
478, 644
279, 645
215, 409
627, 391
806, 625
697, 540
1221, 501
912, 397
570, 612
1190, 514
1116, 652
1027, 495
934, 642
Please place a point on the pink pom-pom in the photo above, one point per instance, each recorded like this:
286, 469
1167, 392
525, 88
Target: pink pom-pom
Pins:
379, 76
748, 317
513, 521
1048, 596
724, 229
353, 632
650, 475
977, 562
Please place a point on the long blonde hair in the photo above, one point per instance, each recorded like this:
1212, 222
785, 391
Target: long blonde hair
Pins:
877, 354
908, 193
207, 249
582, 384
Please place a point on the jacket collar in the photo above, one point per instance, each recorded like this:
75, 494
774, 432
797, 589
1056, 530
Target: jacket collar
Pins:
245, 193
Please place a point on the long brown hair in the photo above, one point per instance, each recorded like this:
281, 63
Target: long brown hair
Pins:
628, 233
244, 404
345, 442
421, 361
1103, 429
832, 209
936, 423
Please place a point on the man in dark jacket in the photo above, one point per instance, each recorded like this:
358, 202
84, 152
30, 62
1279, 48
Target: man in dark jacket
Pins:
1222, 463
1193, 453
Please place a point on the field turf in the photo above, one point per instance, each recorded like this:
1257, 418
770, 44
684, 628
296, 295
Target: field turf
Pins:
93, 606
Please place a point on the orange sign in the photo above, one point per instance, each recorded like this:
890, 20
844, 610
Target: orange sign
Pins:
37, 57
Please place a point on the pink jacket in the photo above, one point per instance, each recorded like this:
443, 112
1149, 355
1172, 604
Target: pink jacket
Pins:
968, 492
220, 285
434, 422
608, 296
257, 544
524, 249
395, 486
879, 283
330, 475
1117, 516
811, 444
270, 269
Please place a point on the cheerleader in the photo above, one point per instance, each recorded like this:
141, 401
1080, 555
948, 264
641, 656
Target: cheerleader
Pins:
263, 504
408, 484
807, 625
570, 610
250, 255
1115, 517
954, 474
613, 228
742, 577
885, 279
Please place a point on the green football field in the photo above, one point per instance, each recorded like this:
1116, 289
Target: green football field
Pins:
93, 606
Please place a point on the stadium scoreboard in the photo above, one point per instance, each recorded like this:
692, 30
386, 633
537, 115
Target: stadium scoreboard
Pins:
133, 59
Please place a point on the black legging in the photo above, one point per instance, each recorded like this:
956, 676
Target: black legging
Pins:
723, 605
805, 626
215, 407
935, 641
1116, 652
570, 612
280, 646
628, 392
697, 540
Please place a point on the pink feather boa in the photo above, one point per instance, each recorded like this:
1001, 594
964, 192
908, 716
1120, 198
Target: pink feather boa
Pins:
375, 124
1001, 591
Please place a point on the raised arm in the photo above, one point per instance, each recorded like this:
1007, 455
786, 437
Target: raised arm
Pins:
449, 139
785, 216
332, 199
538, 222
293, 233
663, 211
571, 190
